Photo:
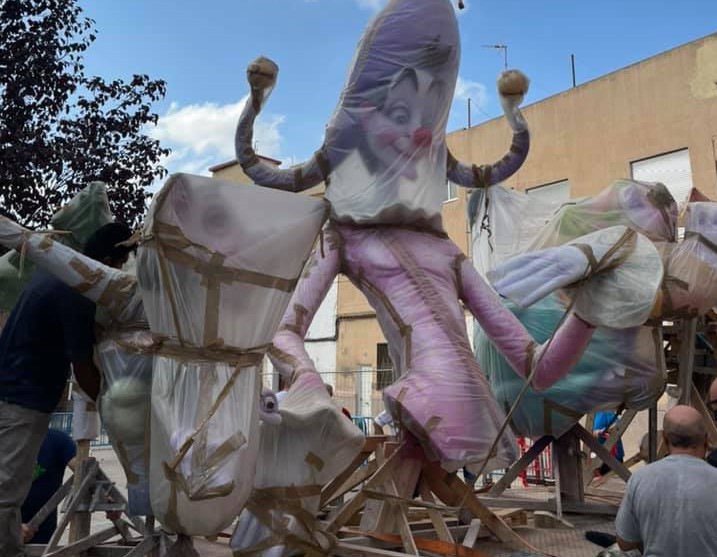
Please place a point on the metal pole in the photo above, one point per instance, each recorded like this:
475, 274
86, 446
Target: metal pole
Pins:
572, 63
469, 113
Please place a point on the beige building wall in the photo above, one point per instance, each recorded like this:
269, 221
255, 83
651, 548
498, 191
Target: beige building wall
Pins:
590, 134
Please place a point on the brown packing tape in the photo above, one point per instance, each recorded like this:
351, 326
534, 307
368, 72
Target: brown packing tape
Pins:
271, 505
221, 273
405, 329
432, 424
324, 165
118, 291
314, 460
211, 305
45, 243
481, 176
457, 264
224, 354
529, 357
703, 240
91, 278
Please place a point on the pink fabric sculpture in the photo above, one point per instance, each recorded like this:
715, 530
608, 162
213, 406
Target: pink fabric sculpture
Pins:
385, 163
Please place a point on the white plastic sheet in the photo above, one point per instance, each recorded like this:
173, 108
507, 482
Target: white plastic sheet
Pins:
216, 272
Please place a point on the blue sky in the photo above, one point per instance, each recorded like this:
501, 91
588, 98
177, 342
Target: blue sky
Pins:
202, 49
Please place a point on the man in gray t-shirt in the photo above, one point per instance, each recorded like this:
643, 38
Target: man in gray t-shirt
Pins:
670, 505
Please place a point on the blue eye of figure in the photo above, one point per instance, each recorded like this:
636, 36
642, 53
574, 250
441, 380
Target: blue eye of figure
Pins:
399, 114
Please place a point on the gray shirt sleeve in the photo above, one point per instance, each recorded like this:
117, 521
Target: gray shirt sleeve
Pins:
626, 524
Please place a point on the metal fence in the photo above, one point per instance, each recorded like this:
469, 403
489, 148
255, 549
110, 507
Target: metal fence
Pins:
63, 422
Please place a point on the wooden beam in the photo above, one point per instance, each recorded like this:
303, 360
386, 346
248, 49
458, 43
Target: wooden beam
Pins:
80, 546
78, 497
548, 505
51, 504
531, 454
687, 359
605, 455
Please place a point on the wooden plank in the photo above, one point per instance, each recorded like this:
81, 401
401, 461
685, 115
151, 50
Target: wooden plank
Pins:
51, 504
618, 430
352, 507
371, 444
436, 517
524, 461
354, 550
80, 546
686, 359
566, 451
548, 505
453, 491
472, 533
348, 479
78, 496
588, 438
80, 523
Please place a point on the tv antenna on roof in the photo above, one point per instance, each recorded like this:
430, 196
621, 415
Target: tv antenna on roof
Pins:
504, 48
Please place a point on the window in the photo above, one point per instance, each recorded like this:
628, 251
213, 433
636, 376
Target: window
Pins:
451, 191
384, 367
554, 192
672, 169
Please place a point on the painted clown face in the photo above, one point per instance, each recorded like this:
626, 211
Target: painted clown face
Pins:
400, 131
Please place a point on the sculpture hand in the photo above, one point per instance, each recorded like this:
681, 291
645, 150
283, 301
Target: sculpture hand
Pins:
529, 277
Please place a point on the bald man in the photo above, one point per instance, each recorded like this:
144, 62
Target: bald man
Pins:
670, 505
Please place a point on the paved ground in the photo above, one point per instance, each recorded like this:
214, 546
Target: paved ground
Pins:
558, 542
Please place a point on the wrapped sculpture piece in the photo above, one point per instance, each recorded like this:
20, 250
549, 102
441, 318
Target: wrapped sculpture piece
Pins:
216, 275
690, 285
77, 220
309, 448
618, 367
205, 404
385, 163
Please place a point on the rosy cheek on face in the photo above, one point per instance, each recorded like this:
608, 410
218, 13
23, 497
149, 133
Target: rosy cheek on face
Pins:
387, 136
422, 137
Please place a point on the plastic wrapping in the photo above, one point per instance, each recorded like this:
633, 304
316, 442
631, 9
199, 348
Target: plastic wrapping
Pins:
311, 446
85, 419
216, 275
384, 153
646, 207
618, 367
124, 405
613, 275
493, 213
690, 285
81, 216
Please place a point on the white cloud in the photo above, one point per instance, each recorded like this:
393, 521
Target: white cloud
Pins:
201, 135
477, 93
467, 89
374, 5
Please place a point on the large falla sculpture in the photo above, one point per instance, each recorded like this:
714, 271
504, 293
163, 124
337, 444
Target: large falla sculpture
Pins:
385, 163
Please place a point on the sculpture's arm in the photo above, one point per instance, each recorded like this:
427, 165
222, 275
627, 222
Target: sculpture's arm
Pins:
552, 360
261, 75
288, 353
512, 86
102, 284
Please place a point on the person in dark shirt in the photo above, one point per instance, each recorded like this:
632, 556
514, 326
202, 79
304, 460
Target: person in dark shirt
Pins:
56, 453
50, 328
